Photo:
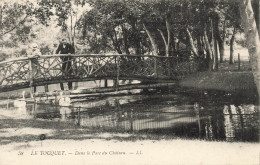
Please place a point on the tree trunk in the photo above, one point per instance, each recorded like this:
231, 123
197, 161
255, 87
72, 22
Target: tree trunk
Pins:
231, 57
208, 49
165, 43
220, 39
221, 45
192, 46
168, 36
1, 25
154, 45
115, 43
216, 54
200, 46
215, 35
125, 35
213, 47
253, 43
256, 9
136, 34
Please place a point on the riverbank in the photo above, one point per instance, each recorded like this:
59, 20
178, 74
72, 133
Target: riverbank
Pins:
235, 78
225, 81
66, 143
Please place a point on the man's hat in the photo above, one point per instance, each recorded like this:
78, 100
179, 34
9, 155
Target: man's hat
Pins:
34, 45
64, 40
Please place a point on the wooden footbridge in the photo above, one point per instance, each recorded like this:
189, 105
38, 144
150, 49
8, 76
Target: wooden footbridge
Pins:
24, 72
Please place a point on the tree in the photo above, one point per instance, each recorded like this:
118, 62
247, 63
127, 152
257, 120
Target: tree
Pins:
116, 23
67, 13
253, 43
232, 40
15, 22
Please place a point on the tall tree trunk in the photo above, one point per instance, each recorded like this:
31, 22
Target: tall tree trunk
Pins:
136, 34
1, 24
220, 39
253, 43
231, 57
84, 29
221, 45
74, 30
138, 47
213, 46
154, 45
125, 38
168, 27
165, 43
208, 49
216, 54
115, 43
256, 9
216, 33
200, 46
192, 46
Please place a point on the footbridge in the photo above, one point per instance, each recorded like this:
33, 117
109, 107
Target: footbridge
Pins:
24, 72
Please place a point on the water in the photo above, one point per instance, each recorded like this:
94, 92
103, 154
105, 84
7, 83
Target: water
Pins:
208, 115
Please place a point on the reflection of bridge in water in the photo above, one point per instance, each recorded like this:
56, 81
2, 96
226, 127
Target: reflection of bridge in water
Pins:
47, 69
230, 123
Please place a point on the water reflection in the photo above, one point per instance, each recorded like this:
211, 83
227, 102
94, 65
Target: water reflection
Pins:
65, 113
229, 123
241, 122
174, 115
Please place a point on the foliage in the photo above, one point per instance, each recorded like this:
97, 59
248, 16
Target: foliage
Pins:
96, 26
15, 23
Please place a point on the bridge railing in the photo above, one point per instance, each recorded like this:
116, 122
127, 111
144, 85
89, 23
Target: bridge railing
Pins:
48, 69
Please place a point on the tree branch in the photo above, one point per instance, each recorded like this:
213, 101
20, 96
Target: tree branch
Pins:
16, 26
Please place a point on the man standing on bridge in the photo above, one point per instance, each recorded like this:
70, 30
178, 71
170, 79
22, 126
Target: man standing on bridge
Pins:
66, 48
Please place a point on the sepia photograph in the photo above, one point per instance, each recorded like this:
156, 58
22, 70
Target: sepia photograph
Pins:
129, 82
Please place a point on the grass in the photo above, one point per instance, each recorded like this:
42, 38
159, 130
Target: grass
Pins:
228, 78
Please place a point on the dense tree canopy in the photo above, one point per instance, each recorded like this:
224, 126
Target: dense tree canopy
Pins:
183, 28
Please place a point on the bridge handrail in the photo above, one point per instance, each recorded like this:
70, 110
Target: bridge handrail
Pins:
48, 69
78, 55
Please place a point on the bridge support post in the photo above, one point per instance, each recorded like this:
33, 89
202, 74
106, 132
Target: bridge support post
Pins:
46, 88
31, 78
105, 83
155, 67
76, 85
168, 67
118, 71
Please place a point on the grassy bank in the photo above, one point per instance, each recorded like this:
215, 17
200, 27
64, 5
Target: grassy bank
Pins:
226, 81
229, 78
